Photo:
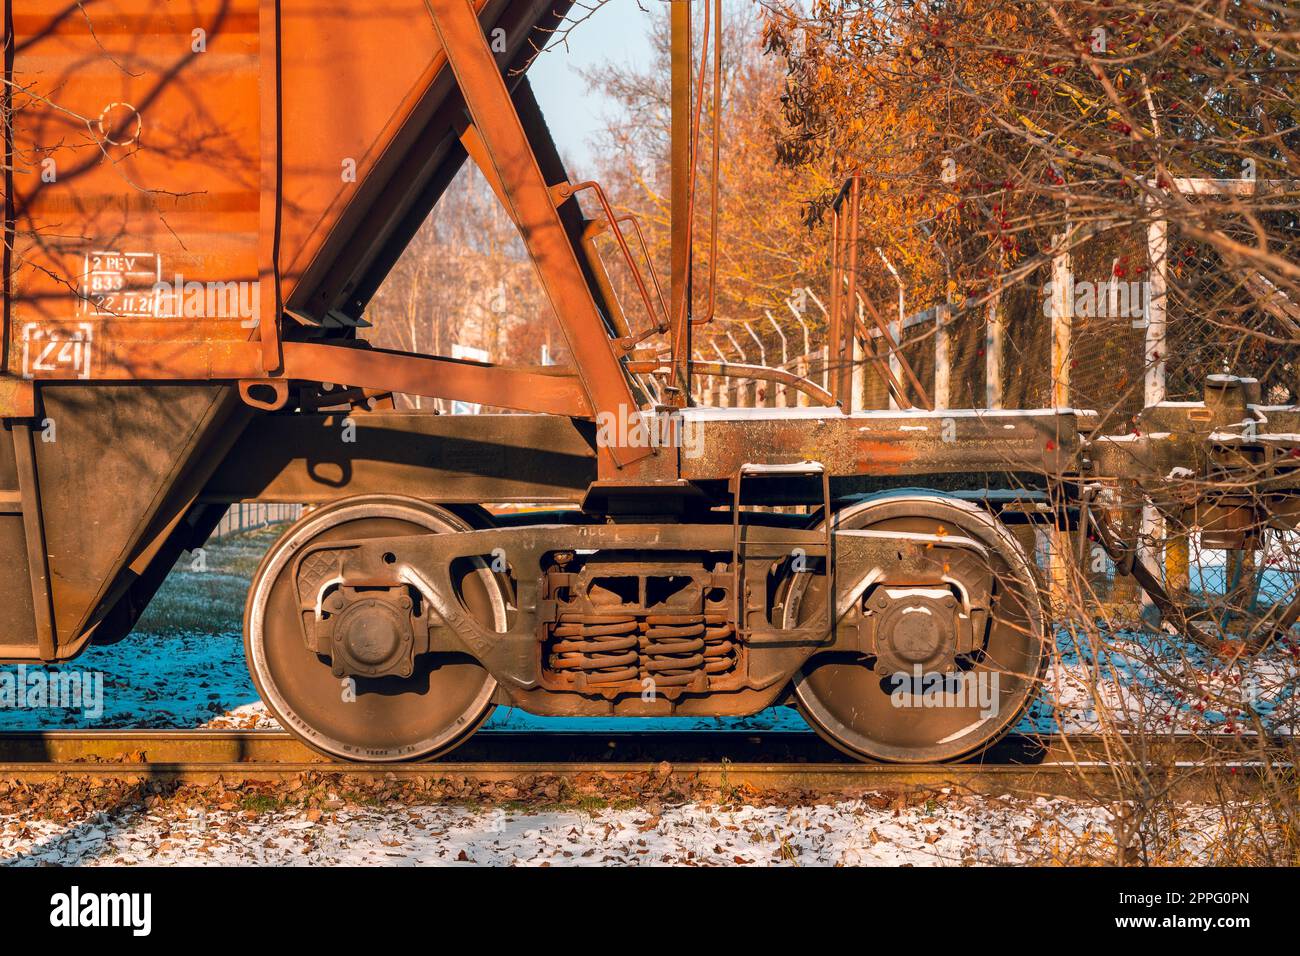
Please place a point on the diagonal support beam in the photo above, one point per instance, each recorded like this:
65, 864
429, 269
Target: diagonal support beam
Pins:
548, 391
529, 203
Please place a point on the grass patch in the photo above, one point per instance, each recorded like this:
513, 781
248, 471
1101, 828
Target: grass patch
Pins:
206, 588
261, 802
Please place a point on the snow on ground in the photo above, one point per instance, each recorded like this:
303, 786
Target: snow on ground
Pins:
1128, 680
252, 716
947, 831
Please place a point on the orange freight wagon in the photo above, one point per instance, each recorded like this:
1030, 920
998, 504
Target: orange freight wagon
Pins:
200, 200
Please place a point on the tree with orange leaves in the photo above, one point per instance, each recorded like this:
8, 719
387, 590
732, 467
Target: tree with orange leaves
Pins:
765, 251
992, 134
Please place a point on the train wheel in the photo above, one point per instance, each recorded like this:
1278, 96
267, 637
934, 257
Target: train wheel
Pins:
919, 700
387, 718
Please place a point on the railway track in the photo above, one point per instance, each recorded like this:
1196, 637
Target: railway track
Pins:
1080, 765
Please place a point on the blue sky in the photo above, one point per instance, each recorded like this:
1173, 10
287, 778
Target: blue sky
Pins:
617, 31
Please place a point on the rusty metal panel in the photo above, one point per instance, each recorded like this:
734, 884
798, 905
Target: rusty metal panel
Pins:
880, 443
442, 458
106, 482
349, 130
17, 618
137, 162
155, 132
416, 154
38, 552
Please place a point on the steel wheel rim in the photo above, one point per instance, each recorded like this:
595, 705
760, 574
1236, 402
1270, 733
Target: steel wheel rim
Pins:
448, 698
840, 699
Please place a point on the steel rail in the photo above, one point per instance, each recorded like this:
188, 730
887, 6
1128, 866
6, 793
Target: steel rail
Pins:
1077, 766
